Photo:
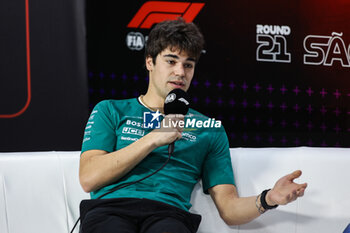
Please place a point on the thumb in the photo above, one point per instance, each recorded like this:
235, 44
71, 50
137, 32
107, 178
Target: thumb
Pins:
294, 175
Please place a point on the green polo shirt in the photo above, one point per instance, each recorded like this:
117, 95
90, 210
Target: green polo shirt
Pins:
201, 153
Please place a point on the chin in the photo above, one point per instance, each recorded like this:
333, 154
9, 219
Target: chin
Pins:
182, 88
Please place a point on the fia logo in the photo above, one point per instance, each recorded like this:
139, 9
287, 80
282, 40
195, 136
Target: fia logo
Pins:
272, 43
151, 120
135, 40
324, 50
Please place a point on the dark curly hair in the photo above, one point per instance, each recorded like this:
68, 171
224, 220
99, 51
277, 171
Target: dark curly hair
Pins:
174, 34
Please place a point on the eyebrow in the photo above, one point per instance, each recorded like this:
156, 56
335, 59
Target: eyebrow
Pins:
177, 57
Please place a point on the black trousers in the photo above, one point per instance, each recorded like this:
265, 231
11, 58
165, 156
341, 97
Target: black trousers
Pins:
133, 215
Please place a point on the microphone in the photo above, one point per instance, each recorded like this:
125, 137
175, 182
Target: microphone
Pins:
176, 102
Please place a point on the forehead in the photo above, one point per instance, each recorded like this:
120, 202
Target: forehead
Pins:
176, 53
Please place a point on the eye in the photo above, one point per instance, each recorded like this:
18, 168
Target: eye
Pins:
171, 62
188, 65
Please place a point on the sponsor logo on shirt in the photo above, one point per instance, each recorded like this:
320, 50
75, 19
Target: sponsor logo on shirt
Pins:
129, 130
134, 123
189, 137
86, 139
87, 133
128, 138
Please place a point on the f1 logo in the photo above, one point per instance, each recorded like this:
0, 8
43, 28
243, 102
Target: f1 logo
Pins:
153, 12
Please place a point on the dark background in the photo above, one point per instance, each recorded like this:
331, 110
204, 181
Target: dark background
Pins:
58, 108
261, 104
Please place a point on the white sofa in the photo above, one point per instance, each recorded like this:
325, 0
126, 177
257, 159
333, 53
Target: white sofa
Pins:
40, 191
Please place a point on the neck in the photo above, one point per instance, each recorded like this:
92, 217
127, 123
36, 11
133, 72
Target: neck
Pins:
153, 102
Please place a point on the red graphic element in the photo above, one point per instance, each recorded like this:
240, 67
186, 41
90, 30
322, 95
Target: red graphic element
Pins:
29, 94
154, 12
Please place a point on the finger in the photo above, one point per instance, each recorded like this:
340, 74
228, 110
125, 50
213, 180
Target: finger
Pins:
179, 136
175, 116
301, 186
289, 198
294, 175
180, 116
301, 189
300, 193
180, 130
295, 195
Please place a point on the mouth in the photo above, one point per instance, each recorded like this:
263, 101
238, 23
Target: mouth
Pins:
177, 84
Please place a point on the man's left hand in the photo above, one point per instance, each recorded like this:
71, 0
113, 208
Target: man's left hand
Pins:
286, 190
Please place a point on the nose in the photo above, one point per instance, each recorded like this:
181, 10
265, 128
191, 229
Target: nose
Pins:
180, 70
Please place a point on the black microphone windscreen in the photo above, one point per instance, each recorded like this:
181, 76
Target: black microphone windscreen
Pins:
177, 102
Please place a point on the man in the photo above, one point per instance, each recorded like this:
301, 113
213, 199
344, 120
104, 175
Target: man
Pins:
113, 156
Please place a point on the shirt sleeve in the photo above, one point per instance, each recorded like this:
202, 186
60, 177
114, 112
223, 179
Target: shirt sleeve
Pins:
100, 129
217, 168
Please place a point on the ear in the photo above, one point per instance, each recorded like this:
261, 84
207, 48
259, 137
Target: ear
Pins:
149, 63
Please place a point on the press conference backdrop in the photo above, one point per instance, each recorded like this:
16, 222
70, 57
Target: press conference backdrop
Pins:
43, 85
275, 72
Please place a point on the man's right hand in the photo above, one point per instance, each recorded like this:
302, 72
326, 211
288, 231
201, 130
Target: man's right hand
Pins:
170, 130
99, 168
